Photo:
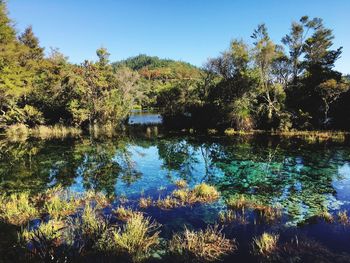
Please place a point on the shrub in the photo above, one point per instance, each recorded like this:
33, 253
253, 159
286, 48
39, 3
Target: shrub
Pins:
207, 245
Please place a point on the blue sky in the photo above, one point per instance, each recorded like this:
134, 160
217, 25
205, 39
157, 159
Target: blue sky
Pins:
188, 30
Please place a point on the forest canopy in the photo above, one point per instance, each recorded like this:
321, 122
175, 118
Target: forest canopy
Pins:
266, 85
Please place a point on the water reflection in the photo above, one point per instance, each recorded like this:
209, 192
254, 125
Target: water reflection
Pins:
304, 179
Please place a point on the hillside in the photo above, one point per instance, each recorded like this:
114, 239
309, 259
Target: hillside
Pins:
155, 68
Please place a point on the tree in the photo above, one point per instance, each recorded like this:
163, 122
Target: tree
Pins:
265, 55
330, 91
28, 39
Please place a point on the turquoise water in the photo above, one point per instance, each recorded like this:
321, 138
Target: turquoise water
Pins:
304, 179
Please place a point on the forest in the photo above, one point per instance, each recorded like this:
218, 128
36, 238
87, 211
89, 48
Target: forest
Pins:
290, 85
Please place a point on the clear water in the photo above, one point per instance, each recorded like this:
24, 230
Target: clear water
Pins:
303, 178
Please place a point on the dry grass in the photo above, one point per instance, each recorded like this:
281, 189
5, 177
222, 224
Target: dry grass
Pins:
17, 209
265, 245
326, 216
203, 246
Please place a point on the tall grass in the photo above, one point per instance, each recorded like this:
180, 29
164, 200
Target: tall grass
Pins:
202, 246
135, 240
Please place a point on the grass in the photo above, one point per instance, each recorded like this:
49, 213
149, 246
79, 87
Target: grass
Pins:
145, 202
203, 246
136, 239
266, 212
343, 217
326, 216
240, 201
49, 230
315, 136
181, 184
265, 245
95, 198
124, 214
58, 206
167, 203
229, 216
17, 209
206, 193
20, 132
17, 132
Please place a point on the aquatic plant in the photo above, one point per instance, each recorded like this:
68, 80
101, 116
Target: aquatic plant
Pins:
135, 240
265, 245
45, 241
124, 214
326, 216
95, 198
145, 202
343, 217
207, 245
49, 230
240, 201
17, 209
205, 192
58, 206
167, 203
181, 184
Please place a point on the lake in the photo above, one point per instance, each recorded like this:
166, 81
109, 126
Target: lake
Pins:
303, 179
